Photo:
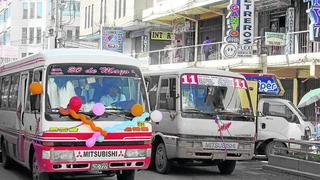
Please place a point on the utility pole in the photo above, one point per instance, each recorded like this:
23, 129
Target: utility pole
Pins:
58, 22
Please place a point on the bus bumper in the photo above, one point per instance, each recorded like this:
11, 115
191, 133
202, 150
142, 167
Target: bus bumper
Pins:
100, 158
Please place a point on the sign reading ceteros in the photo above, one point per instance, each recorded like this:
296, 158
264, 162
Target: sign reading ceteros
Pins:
161, 35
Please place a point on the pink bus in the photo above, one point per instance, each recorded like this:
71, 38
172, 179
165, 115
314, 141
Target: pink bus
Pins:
75, 113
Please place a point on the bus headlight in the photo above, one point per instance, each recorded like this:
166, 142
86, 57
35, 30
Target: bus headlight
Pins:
135, 153
57, 156
244, 146
185, 143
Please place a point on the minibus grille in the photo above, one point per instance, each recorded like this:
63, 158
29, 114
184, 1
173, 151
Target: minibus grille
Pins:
107, 143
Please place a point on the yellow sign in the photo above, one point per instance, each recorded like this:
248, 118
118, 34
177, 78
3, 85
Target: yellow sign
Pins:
253, 87
141, 124
161, 35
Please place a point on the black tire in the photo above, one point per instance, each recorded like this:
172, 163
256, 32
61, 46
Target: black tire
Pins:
227, 167
36, 175
6, 160
270, 150
126, 175
161, 162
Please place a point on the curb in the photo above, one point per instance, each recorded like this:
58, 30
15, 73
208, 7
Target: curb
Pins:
303, 175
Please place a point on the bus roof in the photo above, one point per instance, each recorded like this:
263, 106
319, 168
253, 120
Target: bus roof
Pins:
88, 56
196, 70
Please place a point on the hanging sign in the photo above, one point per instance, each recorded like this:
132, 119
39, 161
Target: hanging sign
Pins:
289, 30
112, 39
246, 27
275, 39
314, 16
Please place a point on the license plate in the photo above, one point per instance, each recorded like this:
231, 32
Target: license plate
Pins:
219, 145
99, 166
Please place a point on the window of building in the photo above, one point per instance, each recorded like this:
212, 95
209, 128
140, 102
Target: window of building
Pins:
24, 36
5, 15
124, 7
115, 9
101, 11
85, 17
105, 11
120, 8
92, 15
89, 13
5, 91
38, 35
32, 8
69, 34
25, 10
2, 16
31, 35
77, 33
13, 94
23, 55
1, 39
6, 38
39, 9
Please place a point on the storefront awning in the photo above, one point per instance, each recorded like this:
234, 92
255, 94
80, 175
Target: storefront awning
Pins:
205, 11
267, 5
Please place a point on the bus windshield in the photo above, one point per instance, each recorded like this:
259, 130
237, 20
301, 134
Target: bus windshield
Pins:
117, 88
215, 95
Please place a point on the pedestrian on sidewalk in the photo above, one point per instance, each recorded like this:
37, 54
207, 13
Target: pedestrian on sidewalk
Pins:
206, 44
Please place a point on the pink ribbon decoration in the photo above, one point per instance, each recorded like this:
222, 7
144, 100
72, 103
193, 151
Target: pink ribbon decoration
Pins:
92, 141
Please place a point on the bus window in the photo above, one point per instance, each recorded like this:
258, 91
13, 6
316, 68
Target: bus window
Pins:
28, 106
168, 94
13, 94
5, 91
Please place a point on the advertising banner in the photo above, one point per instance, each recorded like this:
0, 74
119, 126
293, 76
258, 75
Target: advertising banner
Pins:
112, 39
275, 39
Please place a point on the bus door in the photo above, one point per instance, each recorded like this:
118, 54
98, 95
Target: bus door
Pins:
20, 112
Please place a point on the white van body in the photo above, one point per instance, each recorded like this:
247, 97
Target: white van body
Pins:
280, 119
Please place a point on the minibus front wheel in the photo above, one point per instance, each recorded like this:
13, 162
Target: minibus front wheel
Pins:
227, 167
36, 175
162, 164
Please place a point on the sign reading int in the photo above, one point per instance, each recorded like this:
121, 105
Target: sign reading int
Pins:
161, 35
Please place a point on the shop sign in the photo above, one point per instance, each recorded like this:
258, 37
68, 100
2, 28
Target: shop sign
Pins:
289, 29
233, 22
268, 83
246, 28
275, 39
314, 15
112, 39
161, 35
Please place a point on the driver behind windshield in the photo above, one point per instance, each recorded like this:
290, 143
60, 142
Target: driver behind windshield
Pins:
114, 95
215, 97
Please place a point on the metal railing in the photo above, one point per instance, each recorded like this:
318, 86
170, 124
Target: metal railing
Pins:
301, 44
299, 149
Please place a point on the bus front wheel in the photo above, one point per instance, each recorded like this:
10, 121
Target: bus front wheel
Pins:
227, 166
126, 175
161, 161
36, 175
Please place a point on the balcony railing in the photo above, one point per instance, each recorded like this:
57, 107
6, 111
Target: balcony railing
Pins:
301, 44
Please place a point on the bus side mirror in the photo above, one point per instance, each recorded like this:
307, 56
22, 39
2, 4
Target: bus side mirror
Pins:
35, 103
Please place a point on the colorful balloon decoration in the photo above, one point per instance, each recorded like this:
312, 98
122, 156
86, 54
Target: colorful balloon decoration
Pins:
92, 141
75, 103
98, 109
156, 116
35, 88
137, 110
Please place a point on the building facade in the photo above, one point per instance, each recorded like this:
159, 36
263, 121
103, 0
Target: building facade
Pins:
27, 26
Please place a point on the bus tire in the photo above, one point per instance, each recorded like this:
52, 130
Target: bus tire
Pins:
162, 164
126, 175
227, 167
6, 160
36, 175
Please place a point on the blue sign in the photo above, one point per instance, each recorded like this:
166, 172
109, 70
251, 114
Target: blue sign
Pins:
314, 16
267, 83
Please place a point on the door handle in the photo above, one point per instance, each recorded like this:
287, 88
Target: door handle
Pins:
263, 125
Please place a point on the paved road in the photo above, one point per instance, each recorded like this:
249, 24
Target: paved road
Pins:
246, 170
